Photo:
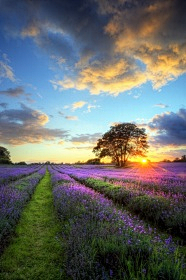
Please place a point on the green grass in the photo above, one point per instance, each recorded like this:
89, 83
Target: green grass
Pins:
35, 252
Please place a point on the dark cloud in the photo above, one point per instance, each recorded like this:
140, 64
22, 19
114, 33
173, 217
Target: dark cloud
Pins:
80, 20
13, 92
170, 128
148, 15
61, 113
70, 118
60, 26
25, 125
58, 45
107, 45
17, 92
4, 105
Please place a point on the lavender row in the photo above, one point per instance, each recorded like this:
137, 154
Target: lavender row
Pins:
102, 242
11, 173
13, 198
58, 176
141, 188
168, 215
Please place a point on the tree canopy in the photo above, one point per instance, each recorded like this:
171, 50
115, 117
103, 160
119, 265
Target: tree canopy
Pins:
93, 161
121, 142
4, 156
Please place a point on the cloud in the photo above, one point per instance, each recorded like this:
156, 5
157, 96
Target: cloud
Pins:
17, 92
160, 105
113, 77
29, 126
4, 105
80, 148
60, 61
61, 113
86, 138
90, 107
57, 44
71, 118
6, 72
13, 92
169, 129
152, 33
104, 46
30, 31
78, 104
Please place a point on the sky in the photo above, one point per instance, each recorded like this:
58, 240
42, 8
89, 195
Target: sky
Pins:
69, 70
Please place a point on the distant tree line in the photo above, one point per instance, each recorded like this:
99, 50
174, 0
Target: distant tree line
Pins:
181, 159
124, 146
93, 161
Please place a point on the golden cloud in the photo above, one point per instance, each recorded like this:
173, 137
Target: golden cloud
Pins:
77, 105
111, 77
30, 31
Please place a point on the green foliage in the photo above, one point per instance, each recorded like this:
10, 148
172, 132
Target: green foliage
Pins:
4, 156
21, 163
150, 208
116, 193
93, 161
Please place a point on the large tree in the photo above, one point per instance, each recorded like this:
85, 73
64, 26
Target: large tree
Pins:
121, 142
4, 156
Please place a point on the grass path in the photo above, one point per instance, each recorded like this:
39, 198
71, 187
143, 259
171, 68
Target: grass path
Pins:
35, 251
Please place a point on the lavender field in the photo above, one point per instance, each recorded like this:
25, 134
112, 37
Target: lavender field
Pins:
155, 192
115, 223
